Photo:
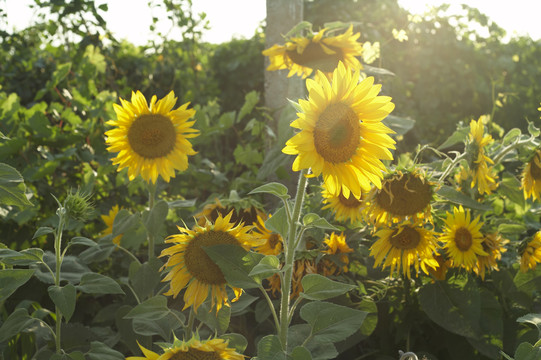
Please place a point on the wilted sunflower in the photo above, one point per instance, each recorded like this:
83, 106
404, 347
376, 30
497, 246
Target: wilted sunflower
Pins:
403, 196
479, 170
530, 254
344, 208
190, 267
194, 349
342, 136
151, 141
109, 220
462, 238
336, 245
303, 55
245, 213
272, 242
403, 246
531, 177
494, 246
440, 272
301, 267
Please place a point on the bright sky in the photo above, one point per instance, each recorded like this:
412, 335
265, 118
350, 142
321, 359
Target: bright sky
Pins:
240, 18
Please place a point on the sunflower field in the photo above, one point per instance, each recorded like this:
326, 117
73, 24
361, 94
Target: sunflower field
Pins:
363, 184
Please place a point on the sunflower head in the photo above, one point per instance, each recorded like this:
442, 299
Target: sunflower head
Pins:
531, 177
440, 272
530, 253
193, 349
341, 134
244, 211
272, 243
403, 196
344, 208
190, 267
336, 246
302, 55
462, 238
404, 245
109, 219
151, 140
494, 245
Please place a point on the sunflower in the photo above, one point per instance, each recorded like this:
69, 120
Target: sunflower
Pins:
344, 208
494, 246
245, 213
531, 177
194, 349
462, 238
301, 267
440, 272
530, 254
480, 172
336, 245
273, 242
403, 196
342, 136
403, 246
303, 55
151, 141
109, 220
190, 267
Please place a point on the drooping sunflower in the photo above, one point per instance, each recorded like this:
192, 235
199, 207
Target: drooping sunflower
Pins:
246, 213
494, 246
302, 266
341, 134
530, 253
194, 349
344, 208
272, 242
531, 177
190, 267
462, 238
440, 272
151, 140
303, 55
337, 246
403, 196
405, 245
480, 172
109, 219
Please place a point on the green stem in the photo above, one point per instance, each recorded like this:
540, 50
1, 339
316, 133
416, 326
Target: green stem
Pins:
451, 166
290, 258
151, 200
271, 307
58, 257
189, 325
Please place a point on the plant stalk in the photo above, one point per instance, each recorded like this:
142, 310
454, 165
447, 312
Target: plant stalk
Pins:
151, 201
58, 257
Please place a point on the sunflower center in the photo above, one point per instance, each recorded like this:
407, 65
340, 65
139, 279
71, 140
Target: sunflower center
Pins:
463, 239
274, 240
404, 196
337, 133
406, 239
196, 354
349, 202
535, 170
314, 57
152, 136
199, 264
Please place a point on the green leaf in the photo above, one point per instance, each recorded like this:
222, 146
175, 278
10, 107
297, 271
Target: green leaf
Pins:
314, 220
268, 266
528, 282
317, 287
79, 240
44, 230
300, 353
12, 189
181, 204
236, 341
400, 125
162, 326
273, 188
17, 322
459, 136
250, 101
235, 263
331, 322
11, 280
145, 277
533, 130
59, 74
94, 283
156, 217
269, 348
100, 351
459, 198
151, 309
124, 221
455, 305
23, 258
526, 351
534, 319
510, 187
511, 136
64, 297
278, 222
216, 321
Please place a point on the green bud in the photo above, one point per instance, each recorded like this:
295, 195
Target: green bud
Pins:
78, 205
